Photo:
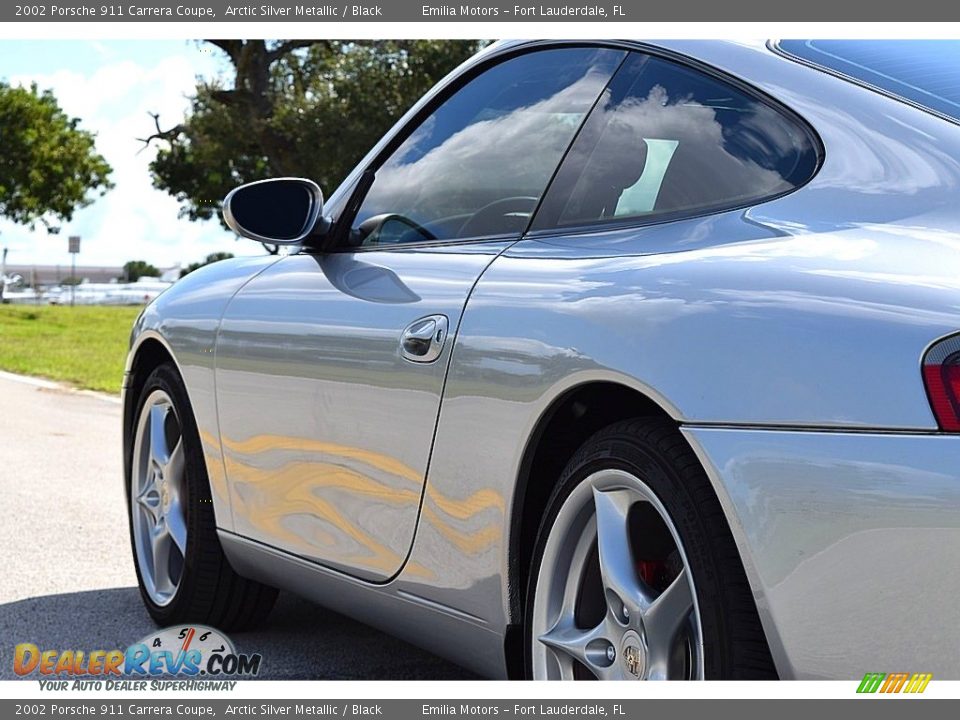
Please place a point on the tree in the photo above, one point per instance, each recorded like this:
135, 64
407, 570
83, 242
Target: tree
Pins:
211, 258
309, 108
49, 167
136, 269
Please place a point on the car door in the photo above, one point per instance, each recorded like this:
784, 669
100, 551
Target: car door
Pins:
330, 367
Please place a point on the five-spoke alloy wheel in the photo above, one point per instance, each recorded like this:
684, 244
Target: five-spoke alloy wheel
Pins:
158, 491
635, 575
183, 573
615, 597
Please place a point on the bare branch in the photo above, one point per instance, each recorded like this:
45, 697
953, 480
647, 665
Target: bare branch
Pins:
168, 135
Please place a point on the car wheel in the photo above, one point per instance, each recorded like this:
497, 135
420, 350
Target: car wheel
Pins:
181, 569
635, 574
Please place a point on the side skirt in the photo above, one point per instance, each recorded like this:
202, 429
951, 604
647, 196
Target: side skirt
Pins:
438, 628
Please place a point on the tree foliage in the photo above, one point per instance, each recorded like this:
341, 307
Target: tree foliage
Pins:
136, 269
303, 108
211, 258
49, 166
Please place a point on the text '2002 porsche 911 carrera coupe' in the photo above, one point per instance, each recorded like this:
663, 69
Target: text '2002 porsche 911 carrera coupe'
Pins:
610, 360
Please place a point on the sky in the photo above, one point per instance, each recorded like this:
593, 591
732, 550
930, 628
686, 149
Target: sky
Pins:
112, 86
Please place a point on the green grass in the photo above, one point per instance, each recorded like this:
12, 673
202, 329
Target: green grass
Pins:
85, 346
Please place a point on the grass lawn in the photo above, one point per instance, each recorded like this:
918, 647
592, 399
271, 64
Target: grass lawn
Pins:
85, 346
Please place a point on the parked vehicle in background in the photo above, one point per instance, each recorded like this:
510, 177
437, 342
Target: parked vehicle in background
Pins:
611, 360
141, 292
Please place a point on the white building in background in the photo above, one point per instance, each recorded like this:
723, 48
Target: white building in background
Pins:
116, 293
100, 286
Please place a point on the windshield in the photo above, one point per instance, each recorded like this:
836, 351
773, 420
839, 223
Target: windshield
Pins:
924, 72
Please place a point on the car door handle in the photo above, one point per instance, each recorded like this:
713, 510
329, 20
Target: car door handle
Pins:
423, 339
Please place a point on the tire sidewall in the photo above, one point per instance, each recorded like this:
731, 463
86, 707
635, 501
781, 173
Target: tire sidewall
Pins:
198, 508
637, 458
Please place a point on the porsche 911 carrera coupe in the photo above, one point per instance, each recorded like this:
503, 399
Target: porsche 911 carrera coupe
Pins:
611, 360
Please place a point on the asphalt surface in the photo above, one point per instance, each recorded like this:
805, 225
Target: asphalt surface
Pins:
66, 573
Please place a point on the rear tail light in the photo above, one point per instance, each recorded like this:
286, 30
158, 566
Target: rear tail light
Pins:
941, 375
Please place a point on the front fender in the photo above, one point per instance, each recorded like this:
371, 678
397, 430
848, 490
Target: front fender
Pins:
182, 324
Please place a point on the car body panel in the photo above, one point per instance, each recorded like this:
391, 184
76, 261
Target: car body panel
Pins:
794, 312
851, 540
326, 429
785, 339
444, 630
184, 321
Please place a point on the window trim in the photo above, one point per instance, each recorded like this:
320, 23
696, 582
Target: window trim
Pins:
342, 226
787, 113
334, 243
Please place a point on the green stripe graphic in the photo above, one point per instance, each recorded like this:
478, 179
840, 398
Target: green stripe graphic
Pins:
871, 682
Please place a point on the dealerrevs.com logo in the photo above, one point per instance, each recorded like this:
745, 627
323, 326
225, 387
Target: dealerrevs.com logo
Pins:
192, 652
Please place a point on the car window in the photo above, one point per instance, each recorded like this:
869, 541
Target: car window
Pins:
477, 165
670, 140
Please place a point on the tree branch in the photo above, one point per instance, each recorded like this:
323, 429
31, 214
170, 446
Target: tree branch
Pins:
289, 46
168, 135
231, 97
231, 47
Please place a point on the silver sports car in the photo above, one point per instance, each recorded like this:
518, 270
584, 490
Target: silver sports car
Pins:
611, 360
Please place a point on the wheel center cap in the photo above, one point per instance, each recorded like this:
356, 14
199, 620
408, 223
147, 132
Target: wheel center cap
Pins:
633, 655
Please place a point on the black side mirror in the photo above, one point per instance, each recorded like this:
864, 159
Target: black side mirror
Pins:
281, 211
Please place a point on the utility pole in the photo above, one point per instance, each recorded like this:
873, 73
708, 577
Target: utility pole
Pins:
73, 243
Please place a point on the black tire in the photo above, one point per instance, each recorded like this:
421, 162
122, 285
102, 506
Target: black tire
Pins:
210, 592
735, 646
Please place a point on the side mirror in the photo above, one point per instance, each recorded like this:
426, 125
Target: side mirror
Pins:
281, 211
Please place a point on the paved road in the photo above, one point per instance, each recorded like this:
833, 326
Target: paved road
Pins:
66, 575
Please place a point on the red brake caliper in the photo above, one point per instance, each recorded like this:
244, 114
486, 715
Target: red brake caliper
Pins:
651, 572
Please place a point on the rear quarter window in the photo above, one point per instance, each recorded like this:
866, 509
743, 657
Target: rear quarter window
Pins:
668, 141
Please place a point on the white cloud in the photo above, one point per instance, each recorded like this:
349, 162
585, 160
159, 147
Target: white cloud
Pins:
133, 220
